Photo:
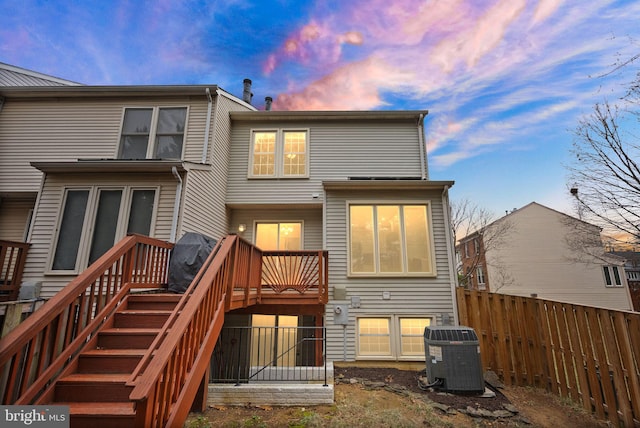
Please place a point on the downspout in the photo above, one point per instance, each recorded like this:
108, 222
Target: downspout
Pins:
207, 126
452, 256
176, 204
423, 148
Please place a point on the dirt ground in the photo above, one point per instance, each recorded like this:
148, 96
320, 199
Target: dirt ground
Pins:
389, 397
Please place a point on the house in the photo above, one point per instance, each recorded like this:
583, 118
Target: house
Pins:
343, 196
548, 254
632, 270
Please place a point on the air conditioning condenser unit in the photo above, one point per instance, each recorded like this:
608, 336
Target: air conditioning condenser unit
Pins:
453, 358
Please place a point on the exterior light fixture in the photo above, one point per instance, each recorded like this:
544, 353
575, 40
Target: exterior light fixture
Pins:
242, 227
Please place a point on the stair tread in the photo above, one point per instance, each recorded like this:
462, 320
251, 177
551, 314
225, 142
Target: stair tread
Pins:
131, 330
100, 408
155, 297
111, 352
96, 377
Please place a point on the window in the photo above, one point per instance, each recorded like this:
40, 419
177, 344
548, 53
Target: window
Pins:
390, 239
279, 154
156, 133
279, 236
392, 337
374, 337
480, 276
476, 246
93, 219
612, 276
466, 250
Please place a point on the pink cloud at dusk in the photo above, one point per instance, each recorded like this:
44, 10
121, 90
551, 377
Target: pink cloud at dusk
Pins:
545, 9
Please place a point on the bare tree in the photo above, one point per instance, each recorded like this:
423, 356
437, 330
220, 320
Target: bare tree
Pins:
605, 174
468, 220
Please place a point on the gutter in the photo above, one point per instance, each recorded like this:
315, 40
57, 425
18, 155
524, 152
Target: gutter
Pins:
207, 126
176, 205
423, 148
449, 238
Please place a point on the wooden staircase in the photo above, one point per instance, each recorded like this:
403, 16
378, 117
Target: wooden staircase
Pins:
96, 390
120, 358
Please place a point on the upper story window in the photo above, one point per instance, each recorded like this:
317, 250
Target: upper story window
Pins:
152, 133
280, 153
612, 276
390, 240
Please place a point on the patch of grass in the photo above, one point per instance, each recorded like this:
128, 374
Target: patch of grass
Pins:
200, 421
254, 421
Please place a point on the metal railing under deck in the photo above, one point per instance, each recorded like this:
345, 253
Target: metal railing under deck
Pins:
37, 351
12, 258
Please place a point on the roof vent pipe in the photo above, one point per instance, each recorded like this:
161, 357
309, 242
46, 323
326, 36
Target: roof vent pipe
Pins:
247, 94
267, 103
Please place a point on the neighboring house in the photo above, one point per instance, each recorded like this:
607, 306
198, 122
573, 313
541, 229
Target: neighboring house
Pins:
551, 255
632, 270
82, 166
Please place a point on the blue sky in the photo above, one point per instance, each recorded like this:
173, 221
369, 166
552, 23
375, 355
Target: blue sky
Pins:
505, 82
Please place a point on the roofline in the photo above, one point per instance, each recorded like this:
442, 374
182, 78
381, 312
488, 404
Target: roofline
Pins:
103, 91
38, 75
386, 184
110, 165
328, 115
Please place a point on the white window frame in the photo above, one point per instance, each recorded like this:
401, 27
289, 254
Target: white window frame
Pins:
151, 143
480, 276
278, 169
377, 272
88, 225
395, 337
613, 280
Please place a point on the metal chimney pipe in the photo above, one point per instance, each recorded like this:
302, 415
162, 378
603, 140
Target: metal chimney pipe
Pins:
267, 103
247, 94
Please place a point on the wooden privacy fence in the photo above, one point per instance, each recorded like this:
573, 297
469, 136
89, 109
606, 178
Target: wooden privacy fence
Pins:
587, 354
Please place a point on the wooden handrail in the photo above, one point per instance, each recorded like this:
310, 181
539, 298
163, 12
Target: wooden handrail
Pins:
12, 259
296, 270
164, 391
37, 350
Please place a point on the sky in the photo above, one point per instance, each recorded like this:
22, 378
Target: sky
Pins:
505, 82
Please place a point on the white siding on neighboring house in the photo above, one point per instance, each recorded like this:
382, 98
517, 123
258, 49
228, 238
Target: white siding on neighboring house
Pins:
14, 218
35, 130
428, 297
537, 259
337, 150
46, 219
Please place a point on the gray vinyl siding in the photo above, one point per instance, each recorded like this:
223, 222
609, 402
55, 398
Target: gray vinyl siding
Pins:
47, 213
14, 218
69, 129
312, 219
428, 297
337, 150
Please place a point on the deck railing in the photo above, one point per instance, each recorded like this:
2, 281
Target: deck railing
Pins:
590, 355
35, 353
304, 272
12, 258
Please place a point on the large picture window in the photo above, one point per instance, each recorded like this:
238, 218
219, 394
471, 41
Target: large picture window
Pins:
390, 239
93, 219
279, 154
154, 132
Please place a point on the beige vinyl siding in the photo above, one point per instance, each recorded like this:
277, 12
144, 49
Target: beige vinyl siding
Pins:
48, 210
536, 259
204, 209
69, 129
426, 297
311, 218
337, 150
14, 218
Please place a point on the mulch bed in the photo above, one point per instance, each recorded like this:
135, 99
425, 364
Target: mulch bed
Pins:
406, 380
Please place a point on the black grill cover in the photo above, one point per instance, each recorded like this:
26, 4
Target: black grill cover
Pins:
188, 256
